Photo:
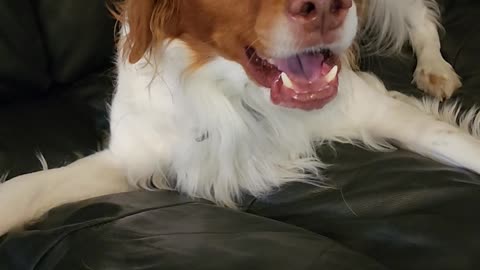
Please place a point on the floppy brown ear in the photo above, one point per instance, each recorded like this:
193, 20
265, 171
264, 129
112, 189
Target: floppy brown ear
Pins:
148, 22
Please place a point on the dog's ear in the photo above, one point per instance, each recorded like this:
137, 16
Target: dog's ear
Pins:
361, 11
149, 22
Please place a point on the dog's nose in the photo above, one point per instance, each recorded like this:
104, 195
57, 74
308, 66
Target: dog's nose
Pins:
319, 15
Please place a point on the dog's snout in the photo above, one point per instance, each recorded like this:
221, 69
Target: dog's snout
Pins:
318, 15
301, 9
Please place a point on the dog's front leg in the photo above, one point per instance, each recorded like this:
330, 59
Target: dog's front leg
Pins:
28, 197
433, 74
416, 130
404, 122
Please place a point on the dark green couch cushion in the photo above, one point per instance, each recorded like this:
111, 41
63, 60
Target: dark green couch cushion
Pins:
78, 37
23, 59
56, 78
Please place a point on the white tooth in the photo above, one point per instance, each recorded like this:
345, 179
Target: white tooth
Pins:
286, 80
331, 74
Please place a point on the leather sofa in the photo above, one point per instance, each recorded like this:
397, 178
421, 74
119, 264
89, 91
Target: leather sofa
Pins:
396, 211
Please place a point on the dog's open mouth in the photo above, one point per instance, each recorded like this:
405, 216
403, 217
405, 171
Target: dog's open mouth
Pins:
305, 81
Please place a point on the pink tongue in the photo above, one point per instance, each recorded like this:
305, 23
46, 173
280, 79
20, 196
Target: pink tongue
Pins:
306, 87
306, 72
302, 68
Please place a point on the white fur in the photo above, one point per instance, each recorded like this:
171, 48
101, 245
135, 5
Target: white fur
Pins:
29, 196
214, 134
42, 160
430, 63
391, 23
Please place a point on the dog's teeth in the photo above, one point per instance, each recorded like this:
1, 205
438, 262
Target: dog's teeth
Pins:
286, 80
332, 74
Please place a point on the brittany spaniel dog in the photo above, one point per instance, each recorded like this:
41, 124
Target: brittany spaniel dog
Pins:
216, 99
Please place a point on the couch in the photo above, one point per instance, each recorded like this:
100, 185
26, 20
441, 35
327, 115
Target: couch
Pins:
395, 211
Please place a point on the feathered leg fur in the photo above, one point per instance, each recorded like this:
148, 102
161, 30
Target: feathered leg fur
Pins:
28, 197
391, 23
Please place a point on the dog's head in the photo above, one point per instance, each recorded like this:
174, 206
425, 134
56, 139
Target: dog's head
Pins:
291, 47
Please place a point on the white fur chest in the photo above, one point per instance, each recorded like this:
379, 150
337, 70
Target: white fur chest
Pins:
214, 131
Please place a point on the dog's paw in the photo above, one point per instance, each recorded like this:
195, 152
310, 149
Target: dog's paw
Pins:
437, 78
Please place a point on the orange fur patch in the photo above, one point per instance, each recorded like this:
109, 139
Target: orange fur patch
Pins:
209, 27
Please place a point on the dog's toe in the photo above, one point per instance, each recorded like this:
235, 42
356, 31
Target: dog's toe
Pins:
437, 79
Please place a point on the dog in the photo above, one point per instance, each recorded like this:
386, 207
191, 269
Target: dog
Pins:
216, 99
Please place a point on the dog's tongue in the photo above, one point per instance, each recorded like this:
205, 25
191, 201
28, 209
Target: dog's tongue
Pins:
305, 67
307, 81
306, 72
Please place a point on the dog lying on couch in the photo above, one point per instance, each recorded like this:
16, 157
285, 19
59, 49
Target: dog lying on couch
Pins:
217, 99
